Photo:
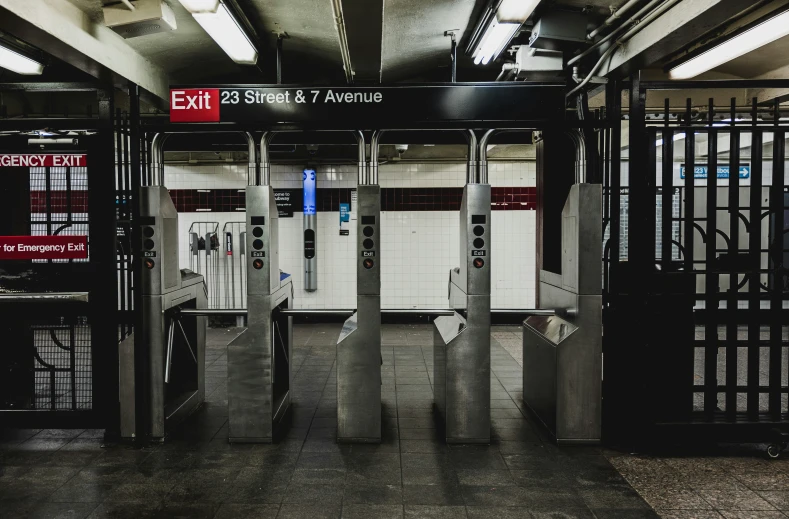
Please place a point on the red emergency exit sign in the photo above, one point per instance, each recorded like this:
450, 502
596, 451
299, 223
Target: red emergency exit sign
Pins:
43, 247
43, 160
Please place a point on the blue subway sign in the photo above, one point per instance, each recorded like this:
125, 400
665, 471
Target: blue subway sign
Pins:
723, 171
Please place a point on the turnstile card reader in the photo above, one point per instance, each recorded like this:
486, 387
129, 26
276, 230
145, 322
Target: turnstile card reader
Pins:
461, 342
359, 345
175, 344
258, 360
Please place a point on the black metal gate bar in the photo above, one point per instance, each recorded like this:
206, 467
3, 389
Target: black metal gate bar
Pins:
711, 282
667, 191
776, 303
734, 245
690, 180
755, 247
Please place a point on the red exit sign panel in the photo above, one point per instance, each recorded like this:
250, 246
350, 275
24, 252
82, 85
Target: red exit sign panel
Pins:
43, 247
44, 160
194, 105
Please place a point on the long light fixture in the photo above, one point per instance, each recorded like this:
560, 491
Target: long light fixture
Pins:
224, 29
745, 42
500, 27
18, 63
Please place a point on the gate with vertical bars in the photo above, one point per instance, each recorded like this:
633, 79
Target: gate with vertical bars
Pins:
696, 265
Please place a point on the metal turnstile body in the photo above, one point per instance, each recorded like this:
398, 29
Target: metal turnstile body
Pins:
258, 361
562, 356
175, 345
461, 345
359, 345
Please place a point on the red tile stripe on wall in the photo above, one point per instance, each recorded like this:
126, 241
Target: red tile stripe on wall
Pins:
392, 199
59, 201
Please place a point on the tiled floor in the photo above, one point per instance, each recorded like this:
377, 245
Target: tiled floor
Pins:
411, 474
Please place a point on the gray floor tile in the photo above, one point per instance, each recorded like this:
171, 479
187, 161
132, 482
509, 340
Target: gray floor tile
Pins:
240, 511
367, 511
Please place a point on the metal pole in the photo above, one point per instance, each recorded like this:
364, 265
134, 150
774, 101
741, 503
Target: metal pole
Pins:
483, 157
364, 175
265, 161
373, 170
471, 171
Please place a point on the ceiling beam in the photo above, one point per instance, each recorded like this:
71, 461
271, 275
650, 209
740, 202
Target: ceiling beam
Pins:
64, 31
675, 29
364, 28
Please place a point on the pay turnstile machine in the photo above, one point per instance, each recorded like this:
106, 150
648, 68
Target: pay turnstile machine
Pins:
359, 344
461, 342
175, 344
259, 373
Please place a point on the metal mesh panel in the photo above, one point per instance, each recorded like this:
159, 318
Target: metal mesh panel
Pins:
59, 205
62, 364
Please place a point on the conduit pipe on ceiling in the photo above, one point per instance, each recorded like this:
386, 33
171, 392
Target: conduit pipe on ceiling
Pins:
667, 4
617, 14
471, 173
373, 169
339, 24
634, 19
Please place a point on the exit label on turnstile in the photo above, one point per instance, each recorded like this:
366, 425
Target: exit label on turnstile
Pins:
258, 254
368, 253
149, 254
478, 253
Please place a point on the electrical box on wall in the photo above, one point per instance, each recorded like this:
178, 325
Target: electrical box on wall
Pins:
309, 183
142, 18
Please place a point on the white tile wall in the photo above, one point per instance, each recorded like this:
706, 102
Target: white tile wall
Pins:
419, 248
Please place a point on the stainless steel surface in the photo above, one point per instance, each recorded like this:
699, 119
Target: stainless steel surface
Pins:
359, 345
482, 176
259, 376
359, 374
32, 297
563, 379
155, 202
252, 164
552, 328
164, 288
264, 179
461, 365
311, 264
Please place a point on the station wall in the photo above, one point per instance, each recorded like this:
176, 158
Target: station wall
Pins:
419, 225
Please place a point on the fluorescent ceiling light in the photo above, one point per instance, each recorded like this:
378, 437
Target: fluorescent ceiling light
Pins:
200, 6
496, 37
18, 63
516, 10
226, 32
758, 36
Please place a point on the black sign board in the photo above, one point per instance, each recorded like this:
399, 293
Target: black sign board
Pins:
287, 200
373, 107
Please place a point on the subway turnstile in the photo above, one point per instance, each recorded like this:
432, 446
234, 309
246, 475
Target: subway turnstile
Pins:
175, 343
461, 344
258, 361
359, 345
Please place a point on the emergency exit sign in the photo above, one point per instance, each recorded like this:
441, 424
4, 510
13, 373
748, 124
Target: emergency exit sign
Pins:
43, 247
43, 160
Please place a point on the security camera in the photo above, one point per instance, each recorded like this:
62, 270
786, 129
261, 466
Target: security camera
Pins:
312, 149
401, 148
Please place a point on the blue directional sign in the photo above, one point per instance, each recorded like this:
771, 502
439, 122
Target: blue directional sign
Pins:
723, 171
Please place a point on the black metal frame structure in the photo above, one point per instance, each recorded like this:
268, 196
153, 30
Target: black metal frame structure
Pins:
694, 336
88, 332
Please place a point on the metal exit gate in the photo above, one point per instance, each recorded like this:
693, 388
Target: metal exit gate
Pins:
58, 317
696, 295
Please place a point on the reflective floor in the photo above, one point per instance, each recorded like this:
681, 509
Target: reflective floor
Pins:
55, 473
